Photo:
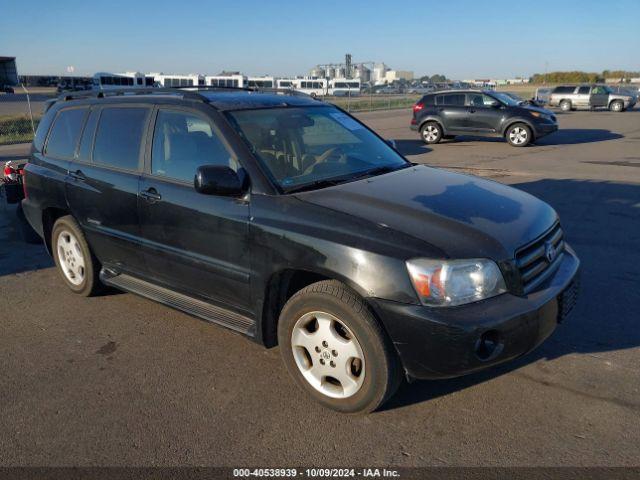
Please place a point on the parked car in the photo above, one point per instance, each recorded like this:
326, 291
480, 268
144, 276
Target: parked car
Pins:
289, 221
480, 113
6, 89
420, 90
630, 90
541, 97
573, 97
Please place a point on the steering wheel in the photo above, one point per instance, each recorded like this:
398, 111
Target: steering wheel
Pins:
332, 155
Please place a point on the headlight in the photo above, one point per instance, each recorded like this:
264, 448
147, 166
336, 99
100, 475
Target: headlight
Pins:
444, 283
542, 115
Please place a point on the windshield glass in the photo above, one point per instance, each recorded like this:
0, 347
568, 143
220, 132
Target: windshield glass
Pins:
506, 99
304, 147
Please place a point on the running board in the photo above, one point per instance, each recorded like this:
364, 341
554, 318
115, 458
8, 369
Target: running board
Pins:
179, 301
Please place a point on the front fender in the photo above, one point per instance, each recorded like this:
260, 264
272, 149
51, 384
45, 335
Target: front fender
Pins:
512, 120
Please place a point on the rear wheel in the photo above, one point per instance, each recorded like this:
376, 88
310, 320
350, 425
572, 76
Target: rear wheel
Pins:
616, 106
431, 132
565, 105
336, 350
75, 262
518, 135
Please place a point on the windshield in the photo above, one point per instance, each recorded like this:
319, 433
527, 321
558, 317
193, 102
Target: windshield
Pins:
311, 146
506, 99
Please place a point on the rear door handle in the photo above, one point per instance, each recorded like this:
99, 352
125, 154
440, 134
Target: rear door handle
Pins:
78, 176
151, 195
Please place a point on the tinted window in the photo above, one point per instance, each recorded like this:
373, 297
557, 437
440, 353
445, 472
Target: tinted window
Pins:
583, 90
65, 133
451, 99
118, 137
84, 152
564, 89
182, 142
428, 99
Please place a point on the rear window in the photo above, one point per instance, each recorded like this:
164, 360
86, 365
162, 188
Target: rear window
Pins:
428, 100
564, 89
65, 133
119, 136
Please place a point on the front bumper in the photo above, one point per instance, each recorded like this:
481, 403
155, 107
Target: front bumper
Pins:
542, 129
448, 342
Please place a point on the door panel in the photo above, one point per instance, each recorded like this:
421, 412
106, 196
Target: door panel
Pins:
599, 97
104, 202
194, 243
481, 117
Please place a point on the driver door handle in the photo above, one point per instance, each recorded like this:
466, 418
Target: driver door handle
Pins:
151, 195
78, 176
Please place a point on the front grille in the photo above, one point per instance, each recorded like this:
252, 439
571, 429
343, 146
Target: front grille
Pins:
535, 261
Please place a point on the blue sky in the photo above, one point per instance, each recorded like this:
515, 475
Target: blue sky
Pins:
458, 38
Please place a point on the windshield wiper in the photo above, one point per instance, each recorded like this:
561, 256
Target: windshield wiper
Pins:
380, 170
329, 182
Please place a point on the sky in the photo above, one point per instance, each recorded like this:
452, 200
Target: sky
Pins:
461, 39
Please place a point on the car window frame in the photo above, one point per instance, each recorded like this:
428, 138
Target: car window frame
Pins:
215, 129
143, 137
45, 148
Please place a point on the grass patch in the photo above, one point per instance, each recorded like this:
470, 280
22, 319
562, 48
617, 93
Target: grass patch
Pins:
377, 102
16, 129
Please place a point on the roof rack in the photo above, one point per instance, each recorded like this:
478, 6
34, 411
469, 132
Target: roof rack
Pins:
187, 92
286, 91
130, 91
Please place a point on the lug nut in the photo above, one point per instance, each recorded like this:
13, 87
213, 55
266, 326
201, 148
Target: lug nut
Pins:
332, 364
334, 353
318, 349
325, 344
321, 361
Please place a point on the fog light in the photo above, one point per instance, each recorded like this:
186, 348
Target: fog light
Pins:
489, 345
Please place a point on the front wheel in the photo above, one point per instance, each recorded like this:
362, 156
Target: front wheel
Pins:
75, 262
336, 350
565, 106
616, 106
431, 133
518, 135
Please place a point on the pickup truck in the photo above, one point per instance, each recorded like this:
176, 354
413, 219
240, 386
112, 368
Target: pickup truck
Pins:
572, 97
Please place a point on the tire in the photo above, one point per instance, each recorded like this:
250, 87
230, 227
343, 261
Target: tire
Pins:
565, 106
74, 260
431, 132
616, 106
333, 328
518, 135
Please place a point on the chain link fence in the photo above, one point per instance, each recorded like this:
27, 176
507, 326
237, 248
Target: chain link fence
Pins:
20, 113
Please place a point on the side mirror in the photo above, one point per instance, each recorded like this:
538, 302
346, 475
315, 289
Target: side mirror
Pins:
495, 104
392, 144
218, 180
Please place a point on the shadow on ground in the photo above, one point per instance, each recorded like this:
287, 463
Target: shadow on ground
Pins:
602, 222
564, 136
412, 147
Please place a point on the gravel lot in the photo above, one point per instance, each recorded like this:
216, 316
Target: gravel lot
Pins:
119, 380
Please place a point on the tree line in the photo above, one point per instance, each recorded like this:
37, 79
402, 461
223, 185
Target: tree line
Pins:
582, 77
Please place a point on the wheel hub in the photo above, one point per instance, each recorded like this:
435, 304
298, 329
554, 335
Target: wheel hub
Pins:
328, 355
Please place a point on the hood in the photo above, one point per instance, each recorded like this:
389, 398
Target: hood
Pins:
533, 108
461, 215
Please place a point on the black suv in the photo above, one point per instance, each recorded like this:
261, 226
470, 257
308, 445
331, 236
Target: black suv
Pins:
480, 113
287, 220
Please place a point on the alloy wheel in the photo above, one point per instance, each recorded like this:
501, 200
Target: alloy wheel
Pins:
328, 355
430, 133
70, 257
518, 135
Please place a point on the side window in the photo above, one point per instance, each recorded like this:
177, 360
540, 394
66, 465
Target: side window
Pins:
86, 142
65, 133
119, 137
182, 142
583, 90
475, 100
454, 99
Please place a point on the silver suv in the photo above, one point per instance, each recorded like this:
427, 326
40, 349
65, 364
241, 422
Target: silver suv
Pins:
572, 97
